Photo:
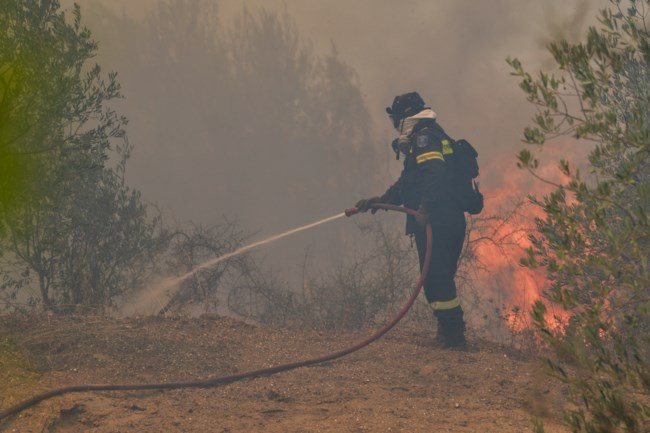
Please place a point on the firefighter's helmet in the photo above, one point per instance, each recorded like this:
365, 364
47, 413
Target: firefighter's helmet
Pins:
404, 106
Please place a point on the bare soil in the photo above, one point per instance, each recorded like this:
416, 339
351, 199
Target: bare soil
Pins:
400, 383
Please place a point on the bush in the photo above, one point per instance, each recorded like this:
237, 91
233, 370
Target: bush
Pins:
594, 240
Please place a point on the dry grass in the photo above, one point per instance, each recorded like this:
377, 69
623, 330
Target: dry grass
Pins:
18, 372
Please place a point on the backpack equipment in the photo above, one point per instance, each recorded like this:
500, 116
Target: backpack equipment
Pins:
464, 164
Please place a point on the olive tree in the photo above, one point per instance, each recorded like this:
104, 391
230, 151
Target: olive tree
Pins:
72, 227
594, 238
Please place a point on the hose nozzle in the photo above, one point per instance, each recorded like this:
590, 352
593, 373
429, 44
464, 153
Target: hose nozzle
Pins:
351, 211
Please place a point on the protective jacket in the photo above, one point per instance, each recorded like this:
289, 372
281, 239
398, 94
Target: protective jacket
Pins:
425, 180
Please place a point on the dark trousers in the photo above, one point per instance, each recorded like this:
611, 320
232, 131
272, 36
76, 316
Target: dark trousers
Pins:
439, 286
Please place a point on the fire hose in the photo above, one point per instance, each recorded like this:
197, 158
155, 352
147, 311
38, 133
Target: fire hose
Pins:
246, 374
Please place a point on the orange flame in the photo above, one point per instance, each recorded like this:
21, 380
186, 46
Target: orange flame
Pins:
515, 286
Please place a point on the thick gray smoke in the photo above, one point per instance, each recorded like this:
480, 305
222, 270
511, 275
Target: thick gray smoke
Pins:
452, 52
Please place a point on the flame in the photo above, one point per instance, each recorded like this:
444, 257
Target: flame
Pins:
506, 239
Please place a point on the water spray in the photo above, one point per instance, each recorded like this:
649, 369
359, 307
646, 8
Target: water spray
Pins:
144, 297
255, 373
243, 249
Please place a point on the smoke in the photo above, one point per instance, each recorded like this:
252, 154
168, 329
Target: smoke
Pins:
453, 53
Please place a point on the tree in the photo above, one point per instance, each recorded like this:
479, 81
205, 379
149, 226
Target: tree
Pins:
249, 100
243, 119
594, 241
72, 225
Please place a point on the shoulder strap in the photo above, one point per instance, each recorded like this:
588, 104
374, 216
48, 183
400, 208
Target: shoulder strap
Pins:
425, 123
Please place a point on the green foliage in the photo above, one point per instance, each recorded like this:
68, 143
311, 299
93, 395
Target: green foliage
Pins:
74, 230
594, 240
72, 226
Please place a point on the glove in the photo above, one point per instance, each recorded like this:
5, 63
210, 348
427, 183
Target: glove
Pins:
364, 205
422, 217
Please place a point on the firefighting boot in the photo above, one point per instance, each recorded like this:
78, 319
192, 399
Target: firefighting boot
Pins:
451, 329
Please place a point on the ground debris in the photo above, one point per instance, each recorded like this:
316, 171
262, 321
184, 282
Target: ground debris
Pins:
397, 384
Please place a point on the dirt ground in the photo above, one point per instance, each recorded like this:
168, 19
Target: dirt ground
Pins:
400, 383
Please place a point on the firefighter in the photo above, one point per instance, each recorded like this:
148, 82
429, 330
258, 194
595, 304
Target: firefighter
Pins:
425, 184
